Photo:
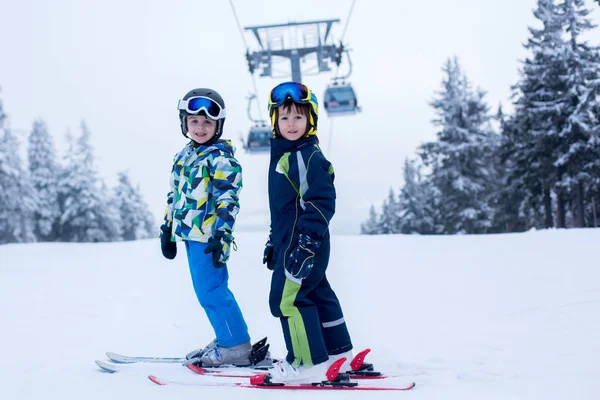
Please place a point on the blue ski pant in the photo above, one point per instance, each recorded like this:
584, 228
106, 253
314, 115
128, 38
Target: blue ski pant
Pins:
311, 316
212, 291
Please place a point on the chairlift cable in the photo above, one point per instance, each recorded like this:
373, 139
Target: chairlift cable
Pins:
255, 86
337, 70
238, 23
347, 20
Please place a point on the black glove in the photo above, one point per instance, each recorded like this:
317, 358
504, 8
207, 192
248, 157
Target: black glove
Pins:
169, 248
268, 255
301, 260
219, 245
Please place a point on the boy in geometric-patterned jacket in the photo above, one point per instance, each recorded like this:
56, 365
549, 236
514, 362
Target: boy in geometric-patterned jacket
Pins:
302, 203
202, 205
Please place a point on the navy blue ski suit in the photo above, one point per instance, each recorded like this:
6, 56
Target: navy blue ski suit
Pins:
302, 200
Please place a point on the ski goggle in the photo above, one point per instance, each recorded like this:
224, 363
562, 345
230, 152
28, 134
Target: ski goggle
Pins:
298, 92
194, 105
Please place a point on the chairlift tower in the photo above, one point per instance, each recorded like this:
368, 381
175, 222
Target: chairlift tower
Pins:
294, 41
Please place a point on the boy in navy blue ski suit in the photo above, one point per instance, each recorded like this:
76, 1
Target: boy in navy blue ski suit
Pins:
302, 203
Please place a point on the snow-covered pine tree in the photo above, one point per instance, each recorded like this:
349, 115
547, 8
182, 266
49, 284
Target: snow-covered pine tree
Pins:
516, 208
507, 203
417, 203
86, 215
530, 140
16, 201
579, 147
460, 159
2, 115
372, 225
111, 222
137, 222
390, 214
44, 171
150, 224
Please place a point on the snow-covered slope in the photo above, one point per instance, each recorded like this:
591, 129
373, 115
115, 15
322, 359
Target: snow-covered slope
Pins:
466, 317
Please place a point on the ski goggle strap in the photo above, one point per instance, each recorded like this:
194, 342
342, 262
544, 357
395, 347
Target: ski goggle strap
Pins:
194, 105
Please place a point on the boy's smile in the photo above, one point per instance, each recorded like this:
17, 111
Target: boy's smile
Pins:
200, 128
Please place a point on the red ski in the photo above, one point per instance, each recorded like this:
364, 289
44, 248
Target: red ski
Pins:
309, 386
335, 381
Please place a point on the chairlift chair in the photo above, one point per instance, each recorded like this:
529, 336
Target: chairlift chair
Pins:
260, 134
340, 99
259, 139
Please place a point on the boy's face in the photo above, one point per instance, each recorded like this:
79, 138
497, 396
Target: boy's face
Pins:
200, 128
292, 123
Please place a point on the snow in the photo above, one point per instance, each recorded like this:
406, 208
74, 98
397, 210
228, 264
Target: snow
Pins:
466, 317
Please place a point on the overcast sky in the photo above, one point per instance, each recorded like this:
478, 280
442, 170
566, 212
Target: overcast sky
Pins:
122, 65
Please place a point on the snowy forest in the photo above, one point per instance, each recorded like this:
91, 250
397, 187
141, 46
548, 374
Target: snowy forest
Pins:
491, 172
47, 200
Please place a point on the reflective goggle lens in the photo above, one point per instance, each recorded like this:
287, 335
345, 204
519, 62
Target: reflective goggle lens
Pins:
196, 104
298, 92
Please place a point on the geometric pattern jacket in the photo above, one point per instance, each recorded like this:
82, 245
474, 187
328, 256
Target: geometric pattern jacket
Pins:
205, 187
